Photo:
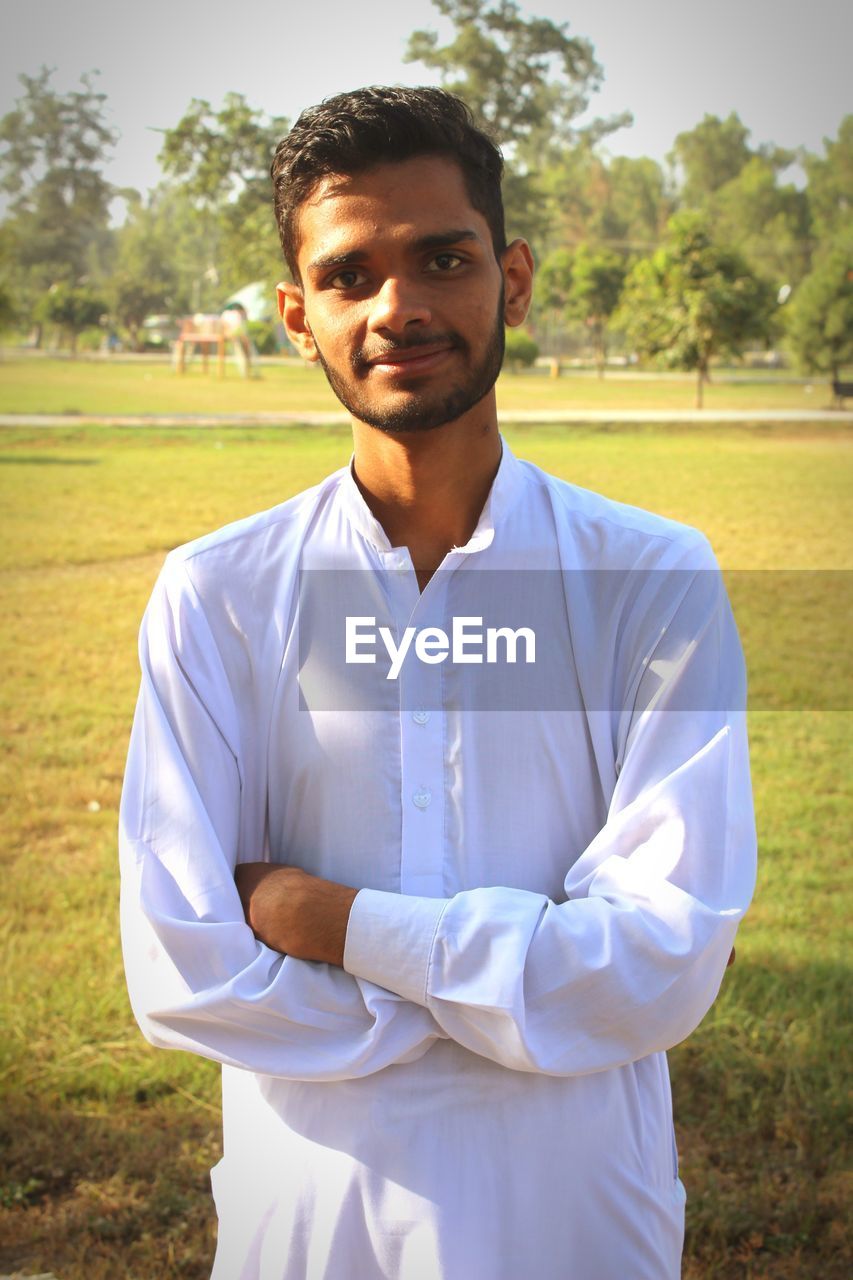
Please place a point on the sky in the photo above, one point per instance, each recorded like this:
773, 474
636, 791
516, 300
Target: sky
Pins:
783, 65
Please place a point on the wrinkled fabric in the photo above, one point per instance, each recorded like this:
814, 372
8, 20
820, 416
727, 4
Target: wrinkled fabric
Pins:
548, 896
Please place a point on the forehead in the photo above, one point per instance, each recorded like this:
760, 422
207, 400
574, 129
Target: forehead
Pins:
389, 202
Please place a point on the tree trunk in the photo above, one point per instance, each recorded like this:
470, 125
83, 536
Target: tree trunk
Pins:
555, 368
700, 383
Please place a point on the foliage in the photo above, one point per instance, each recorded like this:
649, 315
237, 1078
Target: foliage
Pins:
220, 162
262, 334
596, 285
622, 202
221, 155
709, 155
8, 311
830, 182
145, 271
72, 308
768, 223
521, 351
820, 328
692, 300
585, 286
526, 81
54, 146
738, 188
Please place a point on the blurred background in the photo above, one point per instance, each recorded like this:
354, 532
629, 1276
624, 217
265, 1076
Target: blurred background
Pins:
136, 143
684, 173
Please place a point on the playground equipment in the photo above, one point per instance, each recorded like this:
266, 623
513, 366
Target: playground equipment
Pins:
209, 331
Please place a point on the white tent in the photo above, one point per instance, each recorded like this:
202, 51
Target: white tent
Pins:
258, 299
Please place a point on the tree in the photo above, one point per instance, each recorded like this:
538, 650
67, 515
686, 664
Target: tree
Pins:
8, 313
768, 223
583, 285
144, 272
622, 203
820, 323
72, 308
521, 350
221, 160
709, 156
639, 204
526, 80
597, 277
830, 182
52, 150
693, 299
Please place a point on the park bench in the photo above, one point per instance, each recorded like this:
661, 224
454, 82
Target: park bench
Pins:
841, 391
205, 332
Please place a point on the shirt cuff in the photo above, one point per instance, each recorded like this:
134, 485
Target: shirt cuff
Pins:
389, 941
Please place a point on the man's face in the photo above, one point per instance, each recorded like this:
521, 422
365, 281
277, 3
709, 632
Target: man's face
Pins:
402, 295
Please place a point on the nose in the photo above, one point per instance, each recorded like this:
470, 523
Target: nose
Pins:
397, 305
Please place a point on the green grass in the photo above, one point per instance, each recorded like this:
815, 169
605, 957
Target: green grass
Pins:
107, 1141
100, 388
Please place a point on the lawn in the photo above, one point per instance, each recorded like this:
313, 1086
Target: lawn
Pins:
100, 388
107, 1141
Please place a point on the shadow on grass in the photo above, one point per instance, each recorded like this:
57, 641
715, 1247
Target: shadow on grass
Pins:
34, 460
122, 1194
760, 1100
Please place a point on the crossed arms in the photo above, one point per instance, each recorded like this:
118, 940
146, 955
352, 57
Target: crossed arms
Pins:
329, 983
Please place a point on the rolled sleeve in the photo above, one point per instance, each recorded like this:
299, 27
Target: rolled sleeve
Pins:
390, 939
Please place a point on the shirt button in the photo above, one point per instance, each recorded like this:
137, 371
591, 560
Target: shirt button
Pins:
420, 717
422, 798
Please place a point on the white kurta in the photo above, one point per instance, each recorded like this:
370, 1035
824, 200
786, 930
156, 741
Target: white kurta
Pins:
549, 896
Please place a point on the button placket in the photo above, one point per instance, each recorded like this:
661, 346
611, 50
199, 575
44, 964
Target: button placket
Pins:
422, 762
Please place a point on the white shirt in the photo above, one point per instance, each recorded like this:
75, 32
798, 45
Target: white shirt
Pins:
548, 895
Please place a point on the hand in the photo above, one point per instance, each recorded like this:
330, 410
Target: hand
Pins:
293, 912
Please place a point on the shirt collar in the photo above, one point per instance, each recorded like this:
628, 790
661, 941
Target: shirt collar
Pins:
504, 490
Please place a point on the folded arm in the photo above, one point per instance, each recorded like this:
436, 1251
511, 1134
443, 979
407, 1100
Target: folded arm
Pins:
631, 960
198, 977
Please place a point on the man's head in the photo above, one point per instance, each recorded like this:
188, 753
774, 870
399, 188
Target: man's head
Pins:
391, 220
353, 132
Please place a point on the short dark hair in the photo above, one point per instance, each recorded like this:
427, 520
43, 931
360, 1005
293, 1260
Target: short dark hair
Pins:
356, 131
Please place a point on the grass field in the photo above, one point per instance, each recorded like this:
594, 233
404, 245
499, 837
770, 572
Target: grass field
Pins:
107, 1142
67, 386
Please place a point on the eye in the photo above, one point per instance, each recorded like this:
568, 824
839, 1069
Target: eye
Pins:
350, 278
445, 262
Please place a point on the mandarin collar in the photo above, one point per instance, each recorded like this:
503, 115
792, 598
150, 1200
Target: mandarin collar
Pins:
504, 490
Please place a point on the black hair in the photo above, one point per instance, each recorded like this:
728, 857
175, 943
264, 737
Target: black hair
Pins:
356, 131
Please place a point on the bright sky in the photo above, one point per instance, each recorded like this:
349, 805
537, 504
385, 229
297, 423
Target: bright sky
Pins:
781, 64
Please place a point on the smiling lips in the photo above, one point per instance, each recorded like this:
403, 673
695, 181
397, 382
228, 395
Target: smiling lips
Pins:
418, 358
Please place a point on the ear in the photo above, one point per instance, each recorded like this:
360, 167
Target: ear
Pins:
291, 308
517, 267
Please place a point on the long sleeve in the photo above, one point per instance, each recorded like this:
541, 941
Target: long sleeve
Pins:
631, 960
198, 979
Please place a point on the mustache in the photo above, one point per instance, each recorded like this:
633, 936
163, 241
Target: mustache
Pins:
364, 355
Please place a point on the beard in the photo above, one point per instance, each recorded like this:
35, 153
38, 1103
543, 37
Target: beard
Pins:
430, 408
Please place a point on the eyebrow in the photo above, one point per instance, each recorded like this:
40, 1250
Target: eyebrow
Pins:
439, 240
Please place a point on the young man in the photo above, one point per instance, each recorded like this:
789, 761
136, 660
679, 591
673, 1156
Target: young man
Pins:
439, 922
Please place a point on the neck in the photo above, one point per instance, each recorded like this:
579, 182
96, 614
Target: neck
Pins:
427, 489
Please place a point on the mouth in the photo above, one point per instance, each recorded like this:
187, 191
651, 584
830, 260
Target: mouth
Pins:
411, 360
